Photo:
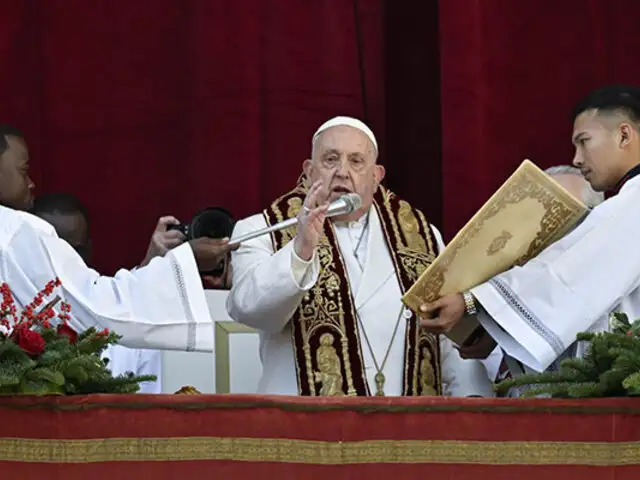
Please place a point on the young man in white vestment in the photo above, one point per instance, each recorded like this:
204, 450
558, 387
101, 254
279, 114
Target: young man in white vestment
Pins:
161, 305
325, 295
534, 312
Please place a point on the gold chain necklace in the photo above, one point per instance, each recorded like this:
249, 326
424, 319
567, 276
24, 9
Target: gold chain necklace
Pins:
379, 377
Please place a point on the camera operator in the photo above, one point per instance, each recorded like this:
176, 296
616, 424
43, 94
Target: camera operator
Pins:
213, 222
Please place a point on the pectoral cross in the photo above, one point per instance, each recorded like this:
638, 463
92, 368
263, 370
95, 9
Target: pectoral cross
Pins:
379, 379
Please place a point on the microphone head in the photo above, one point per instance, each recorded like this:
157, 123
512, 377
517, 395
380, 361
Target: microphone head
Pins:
344, 205
353, 201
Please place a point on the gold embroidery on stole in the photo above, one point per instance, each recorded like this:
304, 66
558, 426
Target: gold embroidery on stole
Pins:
329, 367
427, 375
414, 255
410, 228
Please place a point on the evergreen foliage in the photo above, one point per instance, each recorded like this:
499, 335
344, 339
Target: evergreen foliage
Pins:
609, 368
37, 358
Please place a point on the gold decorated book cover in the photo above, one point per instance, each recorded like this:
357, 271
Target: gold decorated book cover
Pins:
527, 213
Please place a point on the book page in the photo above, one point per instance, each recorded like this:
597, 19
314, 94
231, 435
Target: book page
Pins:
527, 213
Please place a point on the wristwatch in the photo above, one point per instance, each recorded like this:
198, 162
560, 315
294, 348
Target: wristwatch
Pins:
469, 304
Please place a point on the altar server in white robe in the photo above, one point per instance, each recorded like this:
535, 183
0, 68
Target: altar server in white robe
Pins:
534, 312
160, 305
573, 181
326, 297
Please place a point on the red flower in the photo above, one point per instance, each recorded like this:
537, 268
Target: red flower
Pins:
29, 341
65, 330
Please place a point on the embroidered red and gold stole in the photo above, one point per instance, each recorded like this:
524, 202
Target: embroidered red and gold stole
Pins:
326, 337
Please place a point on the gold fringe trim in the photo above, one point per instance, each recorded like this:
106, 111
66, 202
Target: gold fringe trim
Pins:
319, 452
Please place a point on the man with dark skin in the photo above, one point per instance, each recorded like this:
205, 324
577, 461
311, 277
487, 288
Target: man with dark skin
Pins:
16, 187
160, 305
70, 219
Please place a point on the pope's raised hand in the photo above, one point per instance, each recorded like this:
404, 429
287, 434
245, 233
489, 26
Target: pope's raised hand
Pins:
311, 221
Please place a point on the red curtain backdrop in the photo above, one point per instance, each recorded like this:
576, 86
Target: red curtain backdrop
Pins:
510, 73
412, 104
148, 107
151, 107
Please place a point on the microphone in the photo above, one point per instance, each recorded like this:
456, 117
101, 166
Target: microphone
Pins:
345, 204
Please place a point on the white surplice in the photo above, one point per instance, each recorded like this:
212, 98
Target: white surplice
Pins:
161, 305
140, 361
267, 289
534, 312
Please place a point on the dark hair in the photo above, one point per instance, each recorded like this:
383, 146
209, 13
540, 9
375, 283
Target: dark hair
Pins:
6, 130
59, 203
609, 99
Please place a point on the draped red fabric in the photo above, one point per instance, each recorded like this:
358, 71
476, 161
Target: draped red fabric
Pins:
159, 107
412, 104
510, 73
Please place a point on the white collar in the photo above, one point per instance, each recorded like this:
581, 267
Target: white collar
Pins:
359, 223
629, 182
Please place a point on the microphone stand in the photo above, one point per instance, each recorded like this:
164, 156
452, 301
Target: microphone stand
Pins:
345, 204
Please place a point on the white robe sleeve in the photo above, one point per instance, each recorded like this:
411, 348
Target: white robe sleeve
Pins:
460, 377
267, 286
534, 312
161, 305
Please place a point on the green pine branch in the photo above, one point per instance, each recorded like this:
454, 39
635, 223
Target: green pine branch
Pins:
120, 384
609, 368
632, 384
64, 367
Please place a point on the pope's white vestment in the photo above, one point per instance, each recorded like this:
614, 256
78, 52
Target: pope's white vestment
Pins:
534, 312
161, 305
268, 287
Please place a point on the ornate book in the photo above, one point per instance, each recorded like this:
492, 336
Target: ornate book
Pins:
528, 212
